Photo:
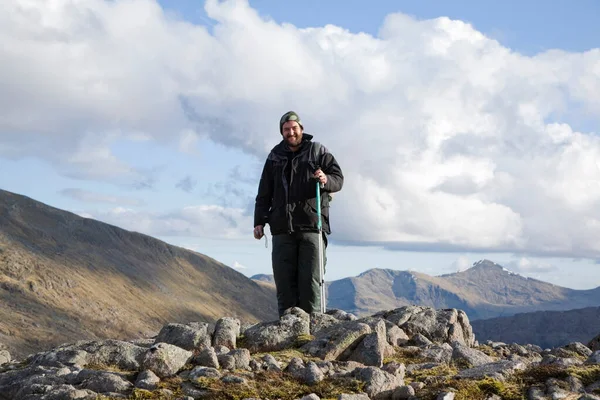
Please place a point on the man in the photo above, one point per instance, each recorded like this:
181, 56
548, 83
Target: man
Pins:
286, 200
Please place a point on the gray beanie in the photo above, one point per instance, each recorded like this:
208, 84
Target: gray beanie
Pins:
289, 116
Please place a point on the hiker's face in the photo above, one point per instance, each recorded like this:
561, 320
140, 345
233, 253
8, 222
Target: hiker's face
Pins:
292, 133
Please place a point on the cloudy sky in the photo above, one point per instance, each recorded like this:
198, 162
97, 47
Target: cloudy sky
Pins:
463, 131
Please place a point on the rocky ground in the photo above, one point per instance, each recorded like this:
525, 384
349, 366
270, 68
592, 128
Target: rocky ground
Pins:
406, 353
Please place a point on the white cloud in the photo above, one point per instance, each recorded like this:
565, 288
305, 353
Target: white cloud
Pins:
94, 197
529, 266
188, 141
204, 221
445, 136
237, 265
461, 264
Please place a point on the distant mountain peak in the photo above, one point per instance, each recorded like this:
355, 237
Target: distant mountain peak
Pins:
485, 263
490, 265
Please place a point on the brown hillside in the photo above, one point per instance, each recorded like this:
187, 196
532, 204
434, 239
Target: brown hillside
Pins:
65, 278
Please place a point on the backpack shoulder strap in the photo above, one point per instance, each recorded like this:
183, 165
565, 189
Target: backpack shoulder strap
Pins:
315, 154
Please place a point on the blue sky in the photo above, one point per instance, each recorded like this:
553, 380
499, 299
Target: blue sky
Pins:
527, 27
483, 126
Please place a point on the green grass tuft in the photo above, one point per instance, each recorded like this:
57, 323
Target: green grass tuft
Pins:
274, 385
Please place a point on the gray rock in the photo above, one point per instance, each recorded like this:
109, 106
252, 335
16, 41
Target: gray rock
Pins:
124, 355
256, 365
311, 396
417, 385
319, 321
396, 369
219, 350
594, 344
207, 358
227, 361
472, 357
575, 384
278, 335
205, 372
534, 348
594, 358
420, 340
341, 315
371, 349
147, 343
331, 342
439, 326
4, 357
379, 384
395, 335
194, 337
165, 359
593, 387
227, 330
147, 380
579, 348
420, 366
516, 348
550, 359
562, 352
326, 366
241, 357
588, 396
498, 370
270, 363
296, 368
554, 390
437, 354
403, 393
14, 383
58, 392
233, 379
103, 382
445, 396
357, 396
312, 374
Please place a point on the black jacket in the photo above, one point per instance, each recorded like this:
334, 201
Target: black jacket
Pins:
291, 206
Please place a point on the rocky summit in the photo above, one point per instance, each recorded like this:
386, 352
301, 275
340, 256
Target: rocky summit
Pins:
411, 352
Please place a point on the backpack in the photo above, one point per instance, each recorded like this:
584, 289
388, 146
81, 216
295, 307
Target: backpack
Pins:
313, 160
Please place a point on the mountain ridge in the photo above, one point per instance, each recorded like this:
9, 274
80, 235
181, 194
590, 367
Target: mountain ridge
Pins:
64, 276
486, 290
546, 329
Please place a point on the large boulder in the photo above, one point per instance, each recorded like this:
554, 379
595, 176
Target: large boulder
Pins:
121, 354
194, 336
337, 342
278, 335
165, 359
439, 326
594, 344
227, 330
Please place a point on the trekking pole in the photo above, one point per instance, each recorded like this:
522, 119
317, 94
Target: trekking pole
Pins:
321, 268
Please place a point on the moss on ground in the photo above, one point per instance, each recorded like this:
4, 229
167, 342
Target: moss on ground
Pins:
467, 389
276, 385
406, 356
285, 356
488, 350
588, 374
425, 375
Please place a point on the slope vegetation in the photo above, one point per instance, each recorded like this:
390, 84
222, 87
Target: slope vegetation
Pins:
64, 278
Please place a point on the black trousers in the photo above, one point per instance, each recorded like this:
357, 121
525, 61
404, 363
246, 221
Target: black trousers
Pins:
295, 259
